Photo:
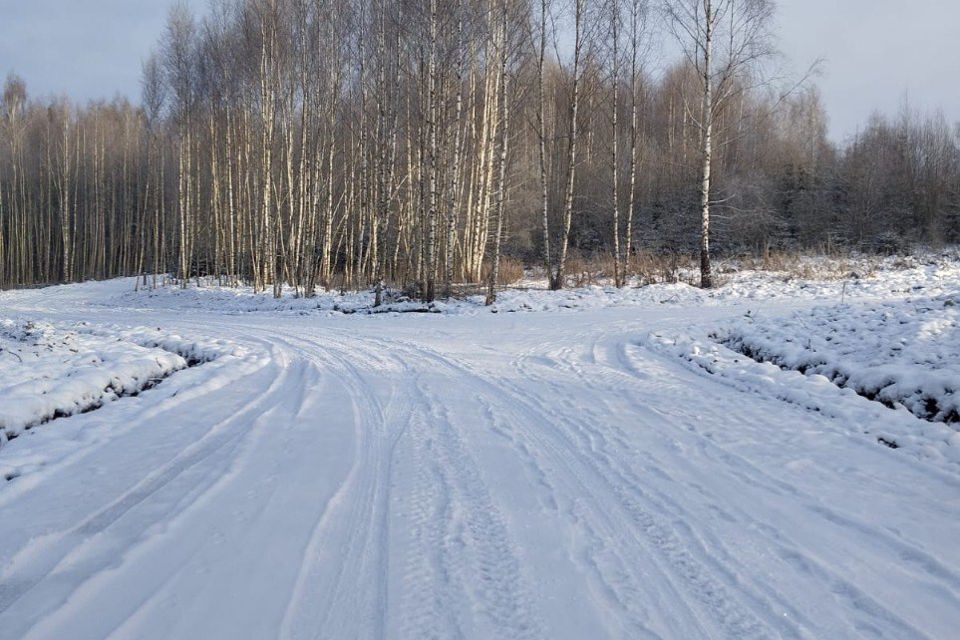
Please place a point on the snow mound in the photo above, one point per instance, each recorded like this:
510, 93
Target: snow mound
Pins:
901, 353
893, 426
48, 372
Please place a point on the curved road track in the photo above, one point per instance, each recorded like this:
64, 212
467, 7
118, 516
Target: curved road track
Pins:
495, 476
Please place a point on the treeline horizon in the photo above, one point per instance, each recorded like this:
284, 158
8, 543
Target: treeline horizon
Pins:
374, 143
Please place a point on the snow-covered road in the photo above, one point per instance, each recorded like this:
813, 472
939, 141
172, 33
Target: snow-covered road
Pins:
533, 475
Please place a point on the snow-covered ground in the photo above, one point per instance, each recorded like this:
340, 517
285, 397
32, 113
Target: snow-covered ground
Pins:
853, 279
901, 353
47, 372
50, 372
604, 465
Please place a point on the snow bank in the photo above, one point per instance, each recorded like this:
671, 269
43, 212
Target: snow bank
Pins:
904, 352
195, 351
48, 372
894, 427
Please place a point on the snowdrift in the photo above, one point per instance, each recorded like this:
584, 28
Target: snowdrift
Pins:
48, 372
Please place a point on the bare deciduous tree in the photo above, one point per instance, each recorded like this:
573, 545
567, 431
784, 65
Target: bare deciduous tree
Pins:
723, 40
371, 143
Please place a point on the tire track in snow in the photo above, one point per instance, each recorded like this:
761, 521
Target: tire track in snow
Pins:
696, 568
318, 604
476, 545
429, 593
748, 472
843, 589
571, 455
154, 571
461, 545
354, 600
56, 555
610, 447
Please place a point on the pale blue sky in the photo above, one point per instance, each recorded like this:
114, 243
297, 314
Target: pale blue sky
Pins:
875, 51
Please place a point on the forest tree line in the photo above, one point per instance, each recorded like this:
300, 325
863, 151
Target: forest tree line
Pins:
359, 143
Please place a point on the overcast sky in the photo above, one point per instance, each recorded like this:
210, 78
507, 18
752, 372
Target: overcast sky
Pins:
876, 52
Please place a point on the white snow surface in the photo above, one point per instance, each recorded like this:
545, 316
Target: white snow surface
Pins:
905, 352
866, 279
597, 467
47, 372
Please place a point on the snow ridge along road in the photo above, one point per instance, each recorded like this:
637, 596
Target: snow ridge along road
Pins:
530, 475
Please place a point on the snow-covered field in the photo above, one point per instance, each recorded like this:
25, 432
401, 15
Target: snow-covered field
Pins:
645, 463
863, 278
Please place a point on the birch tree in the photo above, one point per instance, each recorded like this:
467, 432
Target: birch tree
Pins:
503, 46
355, 144
557, 278
724, 41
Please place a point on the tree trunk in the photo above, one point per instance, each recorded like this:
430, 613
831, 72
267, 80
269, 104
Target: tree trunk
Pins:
706, 276
502, 178
559, 276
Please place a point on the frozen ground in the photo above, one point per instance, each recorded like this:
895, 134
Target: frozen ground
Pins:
597, 467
